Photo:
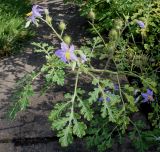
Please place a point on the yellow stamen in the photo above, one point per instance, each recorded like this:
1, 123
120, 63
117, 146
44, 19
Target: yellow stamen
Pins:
29, 14
67, 55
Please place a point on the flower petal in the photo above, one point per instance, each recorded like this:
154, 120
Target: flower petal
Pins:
144, 95
61, 54
64, 47
73, 57
63, 58
35, 11
149, 92
71, 49
145, 100
32, 18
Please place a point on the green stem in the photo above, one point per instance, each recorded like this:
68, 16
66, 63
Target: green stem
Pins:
92, 52
120, 92
100, 71
133, 62
119, 72
62, 33
50, 25
73, 98
97, 33
114, 73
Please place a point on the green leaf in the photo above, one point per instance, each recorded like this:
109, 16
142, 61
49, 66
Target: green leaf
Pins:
95, 81
149, 83
79, 128
131, 106
129, 89
21, 100
43, 47
56, 75
86, 111
66, 137
57, 111
59, 123
94, 95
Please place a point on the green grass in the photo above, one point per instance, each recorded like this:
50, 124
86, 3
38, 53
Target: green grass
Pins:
12, 22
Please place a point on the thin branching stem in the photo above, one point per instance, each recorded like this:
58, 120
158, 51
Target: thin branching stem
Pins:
98, 33
50, 25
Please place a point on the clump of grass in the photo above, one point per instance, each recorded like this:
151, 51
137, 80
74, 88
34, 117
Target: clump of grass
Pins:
12, 20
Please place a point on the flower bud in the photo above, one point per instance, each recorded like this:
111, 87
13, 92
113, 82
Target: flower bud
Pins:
118, 24
62, 26
91, 15
46, 12
113, 35
111, 47
48, 19
67, 39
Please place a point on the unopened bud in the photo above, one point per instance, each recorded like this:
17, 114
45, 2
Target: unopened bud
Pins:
62, 26
92, 15
113, 35
48, 19
46, 12
111, 47
118, 24
67, 39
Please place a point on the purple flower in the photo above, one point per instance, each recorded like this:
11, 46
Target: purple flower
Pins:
66, 53
107, 99
148, 96
141, 24
116, 87
36, 12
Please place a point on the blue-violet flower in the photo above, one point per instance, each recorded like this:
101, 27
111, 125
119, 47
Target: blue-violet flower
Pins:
116, 87
107, 99
141, 24
66, 53
36, 12
148, 96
